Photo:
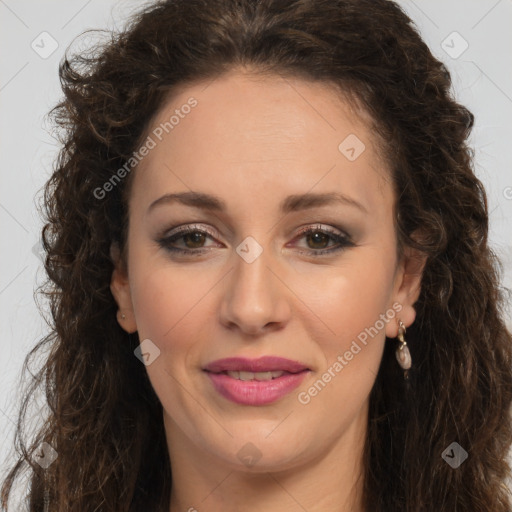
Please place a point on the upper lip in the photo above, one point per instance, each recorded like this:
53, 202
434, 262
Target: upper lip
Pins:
262, 364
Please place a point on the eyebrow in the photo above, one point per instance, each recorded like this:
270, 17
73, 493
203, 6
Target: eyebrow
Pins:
290, 204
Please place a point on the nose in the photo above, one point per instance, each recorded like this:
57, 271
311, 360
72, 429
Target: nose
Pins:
256, 300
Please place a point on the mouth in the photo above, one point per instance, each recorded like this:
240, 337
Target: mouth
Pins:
255, 381
259, 376
263, 365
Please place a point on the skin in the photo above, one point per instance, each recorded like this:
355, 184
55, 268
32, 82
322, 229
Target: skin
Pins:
253, 141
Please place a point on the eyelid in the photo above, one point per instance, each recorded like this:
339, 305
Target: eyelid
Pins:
324, 228
186, 228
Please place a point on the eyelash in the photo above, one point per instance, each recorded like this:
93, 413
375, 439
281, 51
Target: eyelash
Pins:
165, 242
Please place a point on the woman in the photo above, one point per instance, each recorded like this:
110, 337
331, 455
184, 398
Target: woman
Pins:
269, 273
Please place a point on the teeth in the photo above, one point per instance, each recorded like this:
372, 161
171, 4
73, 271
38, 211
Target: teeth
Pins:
255, 375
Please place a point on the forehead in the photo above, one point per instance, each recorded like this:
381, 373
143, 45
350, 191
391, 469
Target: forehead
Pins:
247, 133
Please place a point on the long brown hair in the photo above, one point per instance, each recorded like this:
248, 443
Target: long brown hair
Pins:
105, 421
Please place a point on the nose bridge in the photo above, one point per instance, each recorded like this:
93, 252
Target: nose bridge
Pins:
251, 272
254, 297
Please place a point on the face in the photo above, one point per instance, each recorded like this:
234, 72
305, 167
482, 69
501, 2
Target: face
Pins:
278, 241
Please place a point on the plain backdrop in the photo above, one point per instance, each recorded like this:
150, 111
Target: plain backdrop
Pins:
473, 38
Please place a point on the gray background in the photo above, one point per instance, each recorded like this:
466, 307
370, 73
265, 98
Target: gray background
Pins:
33, 37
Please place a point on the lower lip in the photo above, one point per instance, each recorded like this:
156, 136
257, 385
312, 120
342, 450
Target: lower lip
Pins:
253, 392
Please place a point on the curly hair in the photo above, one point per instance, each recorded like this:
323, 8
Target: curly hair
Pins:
105, 420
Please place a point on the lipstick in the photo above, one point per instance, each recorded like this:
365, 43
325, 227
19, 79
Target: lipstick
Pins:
255, 381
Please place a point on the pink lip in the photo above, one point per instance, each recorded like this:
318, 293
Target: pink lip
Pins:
255, 392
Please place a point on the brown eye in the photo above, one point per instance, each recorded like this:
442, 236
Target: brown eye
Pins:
186, 240
194, 239
318, 239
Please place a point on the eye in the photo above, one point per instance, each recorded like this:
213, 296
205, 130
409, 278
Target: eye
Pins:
192, 237
318, 238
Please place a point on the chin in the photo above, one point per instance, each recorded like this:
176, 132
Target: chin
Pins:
258, 454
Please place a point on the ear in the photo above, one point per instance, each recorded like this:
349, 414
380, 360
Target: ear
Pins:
407, 287
120, 288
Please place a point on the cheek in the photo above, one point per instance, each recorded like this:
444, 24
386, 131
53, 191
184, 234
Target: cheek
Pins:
352, 352
167, 302
352, 298
352, 304
169, 311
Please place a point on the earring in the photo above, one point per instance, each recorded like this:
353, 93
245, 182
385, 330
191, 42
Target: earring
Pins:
123, 316
403, 356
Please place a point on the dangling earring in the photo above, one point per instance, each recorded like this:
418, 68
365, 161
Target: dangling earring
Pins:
403, 356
